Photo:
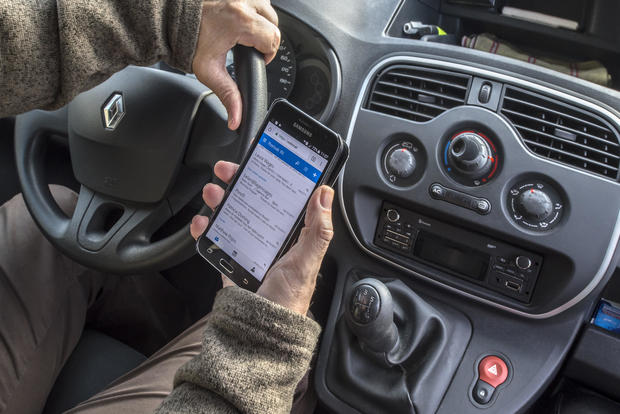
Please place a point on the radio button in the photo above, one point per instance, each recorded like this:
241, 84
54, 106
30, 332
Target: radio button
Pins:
401, 238
511, 270
523, 262
392, 215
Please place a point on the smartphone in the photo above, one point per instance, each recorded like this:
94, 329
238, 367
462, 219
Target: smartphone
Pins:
258, 218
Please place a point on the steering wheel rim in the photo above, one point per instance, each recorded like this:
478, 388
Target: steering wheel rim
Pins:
124, 246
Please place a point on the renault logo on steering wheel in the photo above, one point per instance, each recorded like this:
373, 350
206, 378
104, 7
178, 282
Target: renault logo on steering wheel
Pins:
113, 111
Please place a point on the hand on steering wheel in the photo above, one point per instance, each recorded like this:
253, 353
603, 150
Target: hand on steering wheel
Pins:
291, 281
133, 177
224, 24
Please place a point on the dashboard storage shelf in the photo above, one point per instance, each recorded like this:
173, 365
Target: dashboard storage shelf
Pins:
597, 36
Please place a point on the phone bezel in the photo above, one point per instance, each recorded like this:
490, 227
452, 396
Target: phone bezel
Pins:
322, 137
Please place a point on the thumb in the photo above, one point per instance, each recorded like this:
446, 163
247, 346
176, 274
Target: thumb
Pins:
318, 230
214, 75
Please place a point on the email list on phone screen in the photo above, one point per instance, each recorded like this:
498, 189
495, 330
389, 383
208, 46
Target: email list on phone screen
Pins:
266, 201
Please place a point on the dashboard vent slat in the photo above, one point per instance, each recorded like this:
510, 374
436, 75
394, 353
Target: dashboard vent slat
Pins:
444, 80
562, 132
416, 93
400, 98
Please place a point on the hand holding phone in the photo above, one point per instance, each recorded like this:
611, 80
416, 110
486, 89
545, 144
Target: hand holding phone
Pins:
291, 280
292, 155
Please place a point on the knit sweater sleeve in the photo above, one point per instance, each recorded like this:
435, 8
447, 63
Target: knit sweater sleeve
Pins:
254, 353
51, 50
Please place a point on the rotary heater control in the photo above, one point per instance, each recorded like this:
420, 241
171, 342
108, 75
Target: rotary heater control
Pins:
535, 205
403, 162
470, 158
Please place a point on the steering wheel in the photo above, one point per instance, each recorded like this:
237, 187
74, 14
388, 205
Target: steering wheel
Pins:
142, 144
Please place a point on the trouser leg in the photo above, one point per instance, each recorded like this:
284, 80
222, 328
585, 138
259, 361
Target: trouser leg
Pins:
44, 297
143, 389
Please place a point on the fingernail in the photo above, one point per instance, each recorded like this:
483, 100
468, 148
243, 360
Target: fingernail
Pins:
194, 219
327, 196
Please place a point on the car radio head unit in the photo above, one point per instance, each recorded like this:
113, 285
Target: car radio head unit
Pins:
496, 265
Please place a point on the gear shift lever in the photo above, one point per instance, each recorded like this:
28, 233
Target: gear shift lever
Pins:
370, 315
388, 367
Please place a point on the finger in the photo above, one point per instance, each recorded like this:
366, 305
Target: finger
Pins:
262, 35
198, 226
212, 194
213, 73
225, 170
226, 282
318, 231
264, 8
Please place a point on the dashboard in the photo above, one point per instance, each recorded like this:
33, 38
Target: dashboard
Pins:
487, 186
484, 187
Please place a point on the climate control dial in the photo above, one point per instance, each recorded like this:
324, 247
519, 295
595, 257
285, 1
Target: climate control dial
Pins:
535, 205
470, 158
470, 155
403, 161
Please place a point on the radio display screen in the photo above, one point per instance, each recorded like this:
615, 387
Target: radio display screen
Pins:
450, 255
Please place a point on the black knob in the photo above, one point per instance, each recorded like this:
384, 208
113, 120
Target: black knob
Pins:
523, 262
534, 204
392, 215
365, 304
470, 155
401, 162
370, 315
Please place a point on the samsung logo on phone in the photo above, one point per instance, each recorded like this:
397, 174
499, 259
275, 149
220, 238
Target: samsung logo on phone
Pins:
304, 131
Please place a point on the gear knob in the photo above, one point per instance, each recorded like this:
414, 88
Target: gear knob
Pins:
370, 315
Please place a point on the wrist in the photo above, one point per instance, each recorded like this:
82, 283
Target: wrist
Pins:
298, 305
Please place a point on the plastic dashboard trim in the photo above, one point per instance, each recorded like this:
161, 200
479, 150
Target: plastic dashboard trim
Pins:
509, 79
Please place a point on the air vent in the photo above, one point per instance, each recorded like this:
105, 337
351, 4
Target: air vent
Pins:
563, 133
416, 93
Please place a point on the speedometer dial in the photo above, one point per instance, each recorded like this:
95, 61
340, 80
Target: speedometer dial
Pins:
281, 71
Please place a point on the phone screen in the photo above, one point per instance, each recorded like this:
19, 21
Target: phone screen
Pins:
267, 199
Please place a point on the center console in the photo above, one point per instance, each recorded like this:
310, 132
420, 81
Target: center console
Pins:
483, 184
481, 192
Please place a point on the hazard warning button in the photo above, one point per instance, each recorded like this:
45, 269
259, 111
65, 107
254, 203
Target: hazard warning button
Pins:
493, 370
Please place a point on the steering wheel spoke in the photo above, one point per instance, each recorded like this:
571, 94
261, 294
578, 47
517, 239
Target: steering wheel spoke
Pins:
102, 225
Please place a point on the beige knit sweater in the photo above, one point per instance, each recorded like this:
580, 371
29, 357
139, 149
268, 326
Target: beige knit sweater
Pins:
50, 50
254, 352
